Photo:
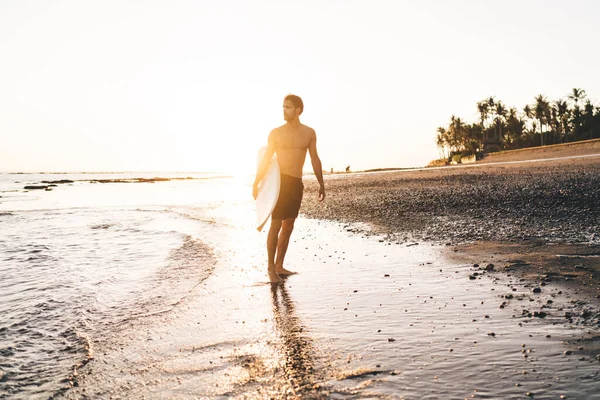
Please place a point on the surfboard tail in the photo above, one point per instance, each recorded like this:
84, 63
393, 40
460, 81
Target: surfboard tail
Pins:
261, 226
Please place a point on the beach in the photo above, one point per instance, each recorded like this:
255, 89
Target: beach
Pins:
532, 211
394, 297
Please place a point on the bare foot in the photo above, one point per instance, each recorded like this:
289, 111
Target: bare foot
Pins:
274, 277
283, 271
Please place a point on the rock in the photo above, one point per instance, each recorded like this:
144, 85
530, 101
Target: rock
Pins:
36, 187
391, 339
537, 290
59, 181
489, 267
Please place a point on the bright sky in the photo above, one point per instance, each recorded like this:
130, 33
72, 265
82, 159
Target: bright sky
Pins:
198, 85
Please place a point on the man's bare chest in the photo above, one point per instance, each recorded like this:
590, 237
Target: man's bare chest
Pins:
292, 141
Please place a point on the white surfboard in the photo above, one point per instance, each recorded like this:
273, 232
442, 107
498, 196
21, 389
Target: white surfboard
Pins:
268, 191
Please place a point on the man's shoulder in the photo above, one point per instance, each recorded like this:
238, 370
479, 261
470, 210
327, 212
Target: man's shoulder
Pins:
275, 131
308, 129
278, 129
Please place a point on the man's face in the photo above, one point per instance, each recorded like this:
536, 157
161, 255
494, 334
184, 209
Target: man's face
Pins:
290, 112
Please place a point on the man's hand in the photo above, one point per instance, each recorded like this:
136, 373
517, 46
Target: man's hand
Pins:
322, 193
255, 190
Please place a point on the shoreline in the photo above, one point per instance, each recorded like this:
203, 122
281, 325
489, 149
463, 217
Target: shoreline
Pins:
516, 211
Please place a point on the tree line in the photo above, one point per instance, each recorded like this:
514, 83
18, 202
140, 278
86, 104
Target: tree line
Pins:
541, 123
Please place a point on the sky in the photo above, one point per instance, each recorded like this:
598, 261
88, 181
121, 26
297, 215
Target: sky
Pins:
198, 85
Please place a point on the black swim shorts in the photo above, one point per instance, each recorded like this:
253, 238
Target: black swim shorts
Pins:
290, 198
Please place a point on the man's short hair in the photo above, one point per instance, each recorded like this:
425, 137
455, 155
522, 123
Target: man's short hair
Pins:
296, 101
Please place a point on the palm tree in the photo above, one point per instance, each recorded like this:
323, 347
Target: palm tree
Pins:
554, 123
528, 113
577, 94
514, 125
588, 114
533, 127
441, 141
576, 117
563, 113
456, 130
491, 103
499, 120
483, 109
541, 111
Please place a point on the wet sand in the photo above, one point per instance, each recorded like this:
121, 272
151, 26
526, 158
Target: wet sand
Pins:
364, 318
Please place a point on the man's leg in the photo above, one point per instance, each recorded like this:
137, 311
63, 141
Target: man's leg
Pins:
272, 248
287, 227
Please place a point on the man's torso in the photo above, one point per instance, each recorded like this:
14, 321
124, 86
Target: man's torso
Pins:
291, 145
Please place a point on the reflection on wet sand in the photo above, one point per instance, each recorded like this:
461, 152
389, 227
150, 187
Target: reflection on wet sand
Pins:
298, 353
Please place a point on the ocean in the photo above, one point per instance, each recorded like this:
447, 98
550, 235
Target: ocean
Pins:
83, 256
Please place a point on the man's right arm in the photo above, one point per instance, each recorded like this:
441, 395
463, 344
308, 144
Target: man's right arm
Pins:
264, 163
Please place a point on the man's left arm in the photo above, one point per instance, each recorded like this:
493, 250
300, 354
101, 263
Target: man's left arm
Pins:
316, 164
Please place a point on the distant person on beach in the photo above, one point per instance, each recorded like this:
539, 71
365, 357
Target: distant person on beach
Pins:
290, 142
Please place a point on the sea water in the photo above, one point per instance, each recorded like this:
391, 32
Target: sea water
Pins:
82, 257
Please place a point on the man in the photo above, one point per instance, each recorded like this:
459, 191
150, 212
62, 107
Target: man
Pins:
290, 142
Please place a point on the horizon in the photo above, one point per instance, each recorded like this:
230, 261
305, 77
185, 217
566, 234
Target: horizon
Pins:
187, 86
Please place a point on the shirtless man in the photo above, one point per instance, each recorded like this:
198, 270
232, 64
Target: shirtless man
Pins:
290, 142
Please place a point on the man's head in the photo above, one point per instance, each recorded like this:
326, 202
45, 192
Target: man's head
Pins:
292, 107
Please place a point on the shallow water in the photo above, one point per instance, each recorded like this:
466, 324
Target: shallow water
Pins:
166, 285
326, 332
81, 260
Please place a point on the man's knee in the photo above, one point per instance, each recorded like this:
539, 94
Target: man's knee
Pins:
287, 226
276, 225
